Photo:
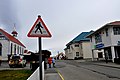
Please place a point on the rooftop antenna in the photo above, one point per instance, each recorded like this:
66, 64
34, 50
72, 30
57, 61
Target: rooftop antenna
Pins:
14, 28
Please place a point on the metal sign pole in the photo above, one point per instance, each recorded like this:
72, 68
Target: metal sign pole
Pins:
39, 30
40, 58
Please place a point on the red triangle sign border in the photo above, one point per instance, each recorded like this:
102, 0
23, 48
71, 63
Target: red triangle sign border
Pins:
39, 35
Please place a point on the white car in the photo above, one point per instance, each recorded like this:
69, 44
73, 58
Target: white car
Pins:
17, 61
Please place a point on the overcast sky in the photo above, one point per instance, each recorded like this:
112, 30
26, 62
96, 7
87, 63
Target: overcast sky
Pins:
65, 19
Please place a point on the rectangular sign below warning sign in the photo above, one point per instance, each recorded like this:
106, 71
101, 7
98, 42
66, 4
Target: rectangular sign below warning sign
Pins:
39, 29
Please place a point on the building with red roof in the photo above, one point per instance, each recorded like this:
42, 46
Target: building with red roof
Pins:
10, 45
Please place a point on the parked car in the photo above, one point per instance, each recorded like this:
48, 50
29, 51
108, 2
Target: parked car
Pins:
17, 61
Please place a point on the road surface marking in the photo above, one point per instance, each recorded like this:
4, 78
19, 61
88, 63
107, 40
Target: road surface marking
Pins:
60, 74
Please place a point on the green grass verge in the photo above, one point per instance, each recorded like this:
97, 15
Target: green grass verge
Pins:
15, 74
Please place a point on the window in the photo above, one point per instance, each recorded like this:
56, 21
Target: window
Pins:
22, 50
2, 38
98, 38
18, 50
100, 55
14, 49
106, 31
11, 48
68, 47
0, 49
76, 45
116, 30
0, 33
77, 53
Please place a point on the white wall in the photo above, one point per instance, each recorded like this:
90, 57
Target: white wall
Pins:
110, 40
106, 40
95, 53
5, 49
115, 39
21, 51
93, 42
86, 48
71, 53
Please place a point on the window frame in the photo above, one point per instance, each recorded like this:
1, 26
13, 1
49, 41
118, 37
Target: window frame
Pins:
76, 45
77, 54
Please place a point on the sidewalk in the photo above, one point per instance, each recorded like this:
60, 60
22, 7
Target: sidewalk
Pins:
109, 64
52, 74
102, 63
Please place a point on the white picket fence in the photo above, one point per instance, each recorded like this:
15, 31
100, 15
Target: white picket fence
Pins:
35, 75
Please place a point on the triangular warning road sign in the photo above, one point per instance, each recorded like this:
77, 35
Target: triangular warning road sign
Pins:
39, 29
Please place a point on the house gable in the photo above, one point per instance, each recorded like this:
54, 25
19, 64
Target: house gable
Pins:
11, 38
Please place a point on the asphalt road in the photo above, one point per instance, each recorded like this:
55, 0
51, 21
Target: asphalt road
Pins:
72, 70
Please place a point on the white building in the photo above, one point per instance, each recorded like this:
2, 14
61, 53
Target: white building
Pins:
79, 47
107, 38
9, 45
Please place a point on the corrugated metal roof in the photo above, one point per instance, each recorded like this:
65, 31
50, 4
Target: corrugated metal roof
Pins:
11, 38
80, 37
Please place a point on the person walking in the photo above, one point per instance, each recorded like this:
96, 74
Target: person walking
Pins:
49, 61
53, 62
106, 56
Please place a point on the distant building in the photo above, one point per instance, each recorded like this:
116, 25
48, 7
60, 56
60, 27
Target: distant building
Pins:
79, 47
61, 56
107, 38
9, 45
